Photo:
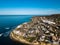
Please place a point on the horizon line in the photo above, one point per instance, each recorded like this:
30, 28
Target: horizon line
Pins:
29, 11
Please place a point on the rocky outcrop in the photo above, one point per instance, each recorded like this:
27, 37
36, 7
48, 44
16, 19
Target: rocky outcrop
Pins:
40, 29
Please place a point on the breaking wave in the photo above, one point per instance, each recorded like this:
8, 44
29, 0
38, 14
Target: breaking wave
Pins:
5, 34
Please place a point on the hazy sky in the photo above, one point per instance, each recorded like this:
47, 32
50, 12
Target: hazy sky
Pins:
25, 7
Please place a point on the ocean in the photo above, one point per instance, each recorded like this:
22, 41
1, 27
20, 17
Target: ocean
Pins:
7, 24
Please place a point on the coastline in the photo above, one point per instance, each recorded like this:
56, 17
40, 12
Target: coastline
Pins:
19, 39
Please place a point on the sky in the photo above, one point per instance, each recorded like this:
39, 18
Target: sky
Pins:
29, 7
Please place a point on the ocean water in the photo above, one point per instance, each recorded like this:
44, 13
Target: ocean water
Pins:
7, 24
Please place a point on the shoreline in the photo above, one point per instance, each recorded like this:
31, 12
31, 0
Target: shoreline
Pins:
45, 22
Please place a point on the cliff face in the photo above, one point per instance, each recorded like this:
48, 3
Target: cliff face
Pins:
39, 29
